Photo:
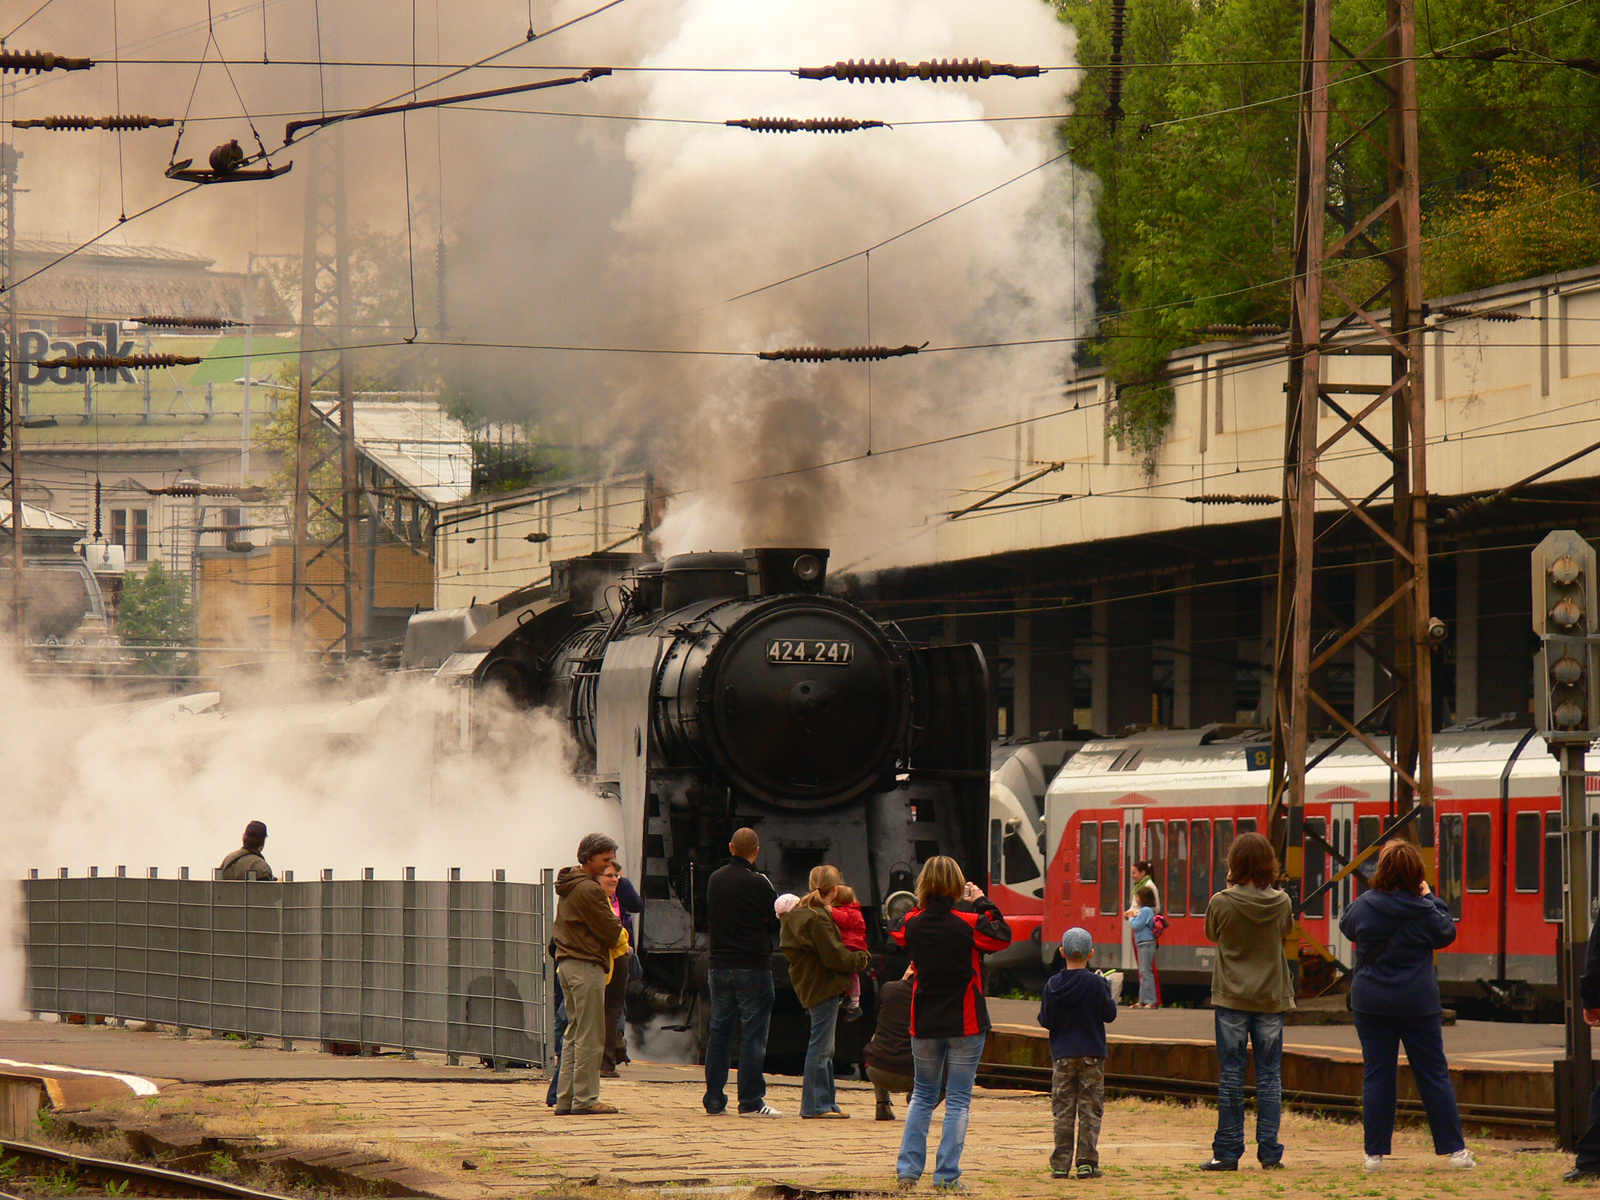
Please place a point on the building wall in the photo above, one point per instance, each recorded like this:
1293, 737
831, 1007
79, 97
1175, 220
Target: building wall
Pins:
482, 547
242, 600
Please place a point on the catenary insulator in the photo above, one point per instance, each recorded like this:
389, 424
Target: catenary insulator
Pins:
1259, 329
121, 121
890, 70
32, 62
1455, 310
190, 322
849, 354
1230, 498
810, 125
102, 362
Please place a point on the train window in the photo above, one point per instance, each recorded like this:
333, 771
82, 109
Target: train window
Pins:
996, 862
1478, 842
1219, 856
1177, 890
1110, 870
1316, 867
1527, 851
1367, 831
1089, 852
1155, 849
1450, 839
1553, 874
1020, 864
1246, 825
1200, 865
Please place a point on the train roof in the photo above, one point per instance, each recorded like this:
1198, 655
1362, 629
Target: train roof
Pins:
1128, 766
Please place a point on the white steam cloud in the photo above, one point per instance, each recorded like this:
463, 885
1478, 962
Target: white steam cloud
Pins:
339, 784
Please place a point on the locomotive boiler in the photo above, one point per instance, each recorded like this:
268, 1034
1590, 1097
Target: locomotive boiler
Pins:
715, 690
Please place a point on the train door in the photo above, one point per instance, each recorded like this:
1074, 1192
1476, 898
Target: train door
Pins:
1341, 836
1132, 830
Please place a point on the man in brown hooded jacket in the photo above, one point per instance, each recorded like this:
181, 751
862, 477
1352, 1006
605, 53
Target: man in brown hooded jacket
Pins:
586, 931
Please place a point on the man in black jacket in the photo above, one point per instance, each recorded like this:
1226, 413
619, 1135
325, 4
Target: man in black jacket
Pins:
739, 911
1587, 1168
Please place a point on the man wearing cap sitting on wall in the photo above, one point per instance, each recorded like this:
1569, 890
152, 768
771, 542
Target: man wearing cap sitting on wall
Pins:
246, 862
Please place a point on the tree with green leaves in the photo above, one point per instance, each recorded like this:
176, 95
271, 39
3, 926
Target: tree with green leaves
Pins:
1196, 182
155, 609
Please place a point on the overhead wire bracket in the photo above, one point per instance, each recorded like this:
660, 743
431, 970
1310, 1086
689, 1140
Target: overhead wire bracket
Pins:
294, 127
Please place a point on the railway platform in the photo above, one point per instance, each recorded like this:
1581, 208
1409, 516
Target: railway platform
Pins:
388, 1125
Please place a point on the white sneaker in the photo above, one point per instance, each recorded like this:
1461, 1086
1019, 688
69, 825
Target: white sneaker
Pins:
1462, 1160
766, 1110
1373, 1162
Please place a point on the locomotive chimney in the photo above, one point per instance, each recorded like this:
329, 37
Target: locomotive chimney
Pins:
772, 570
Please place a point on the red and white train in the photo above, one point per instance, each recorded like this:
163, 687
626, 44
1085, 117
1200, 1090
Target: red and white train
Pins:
1178, 798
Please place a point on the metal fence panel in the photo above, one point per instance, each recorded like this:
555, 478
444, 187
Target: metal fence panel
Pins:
458, 967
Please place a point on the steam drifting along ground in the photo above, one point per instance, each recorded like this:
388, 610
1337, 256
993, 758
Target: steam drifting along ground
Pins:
339, 785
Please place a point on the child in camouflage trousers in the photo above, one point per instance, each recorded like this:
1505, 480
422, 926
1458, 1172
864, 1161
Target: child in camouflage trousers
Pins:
1077, 1004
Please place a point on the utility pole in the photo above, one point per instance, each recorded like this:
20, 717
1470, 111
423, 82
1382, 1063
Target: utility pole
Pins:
12, 422
325, 517
1318, 465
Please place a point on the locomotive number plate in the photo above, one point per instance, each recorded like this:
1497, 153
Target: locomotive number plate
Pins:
833, 653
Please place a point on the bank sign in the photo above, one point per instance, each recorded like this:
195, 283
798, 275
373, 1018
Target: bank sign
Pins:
36, 347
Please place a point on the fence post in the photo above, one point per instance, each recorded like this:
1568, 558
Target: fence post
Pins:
408, 960
454, 993
545, 907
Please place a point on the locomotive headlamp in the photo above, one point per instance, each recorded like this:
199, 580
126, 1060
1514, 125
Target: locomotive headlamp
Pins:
897, 905
807, 568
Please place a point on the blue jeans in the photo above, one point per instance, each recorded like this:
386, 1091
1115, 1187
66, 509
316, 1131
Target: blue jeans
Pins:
816, 1085
1264, 1032
561, 1031
1147, 972
934, 1057
743, 996
1380, 1047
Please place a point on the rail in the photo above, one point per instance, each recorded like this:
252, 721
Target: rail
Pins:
455, 967
46, 1171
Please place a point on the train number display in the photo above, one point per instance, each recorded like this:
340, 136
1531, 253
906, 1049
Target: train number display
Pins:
834, 652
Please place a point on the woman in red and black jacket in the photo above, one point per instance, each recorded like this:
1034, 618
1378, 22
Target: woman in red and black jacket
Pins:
947, 934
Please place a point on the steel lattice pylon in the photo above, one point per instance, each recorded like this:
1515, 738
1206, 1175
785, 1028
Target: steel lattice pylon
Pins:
1386, 234
325, 509
11, 402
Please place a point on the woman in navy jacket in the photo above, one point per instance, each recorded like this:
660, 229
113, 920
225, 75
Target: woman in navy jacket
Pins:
1397, 925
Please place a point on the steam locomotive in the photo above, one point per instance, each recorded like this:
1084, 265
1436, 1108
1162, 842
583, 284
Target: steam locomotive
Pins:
714, 690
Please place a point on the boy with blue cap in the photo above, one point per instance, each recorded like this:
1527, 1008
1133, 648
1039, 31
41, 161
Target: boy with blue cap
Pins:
1077, 1004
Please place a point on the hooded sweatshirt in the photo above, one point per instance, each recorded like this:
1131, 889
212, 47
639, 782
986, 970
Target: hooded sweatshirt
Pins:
242, 861
1077, 1004
586, 929
1248, 924
1396, 934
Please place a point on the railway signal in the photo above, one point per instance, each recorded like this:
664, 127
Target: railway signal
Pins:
1566, 711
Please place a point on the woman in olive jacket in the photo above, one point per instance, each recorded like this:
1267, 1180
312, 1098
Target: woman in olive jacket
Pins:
820, 966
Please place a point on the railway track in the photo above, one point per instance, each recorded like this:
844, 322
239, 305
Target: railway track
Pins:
28, 1170
1498, 1118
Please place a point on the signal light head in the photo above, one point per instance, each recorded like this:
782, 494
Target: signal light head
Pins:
1568, 715
1567, 670
1564, 571
1566, 613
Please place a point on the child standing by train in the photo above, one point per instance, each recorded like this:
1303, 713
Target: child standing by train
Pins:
853, 931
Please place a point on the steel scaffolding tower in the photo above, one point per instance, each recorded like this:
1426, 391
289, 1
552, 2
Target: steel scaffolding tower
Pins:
1332, 315
326, 503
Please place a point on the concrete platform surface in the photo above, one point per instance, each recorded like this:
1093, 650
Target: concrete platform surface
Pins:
1482, 1043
